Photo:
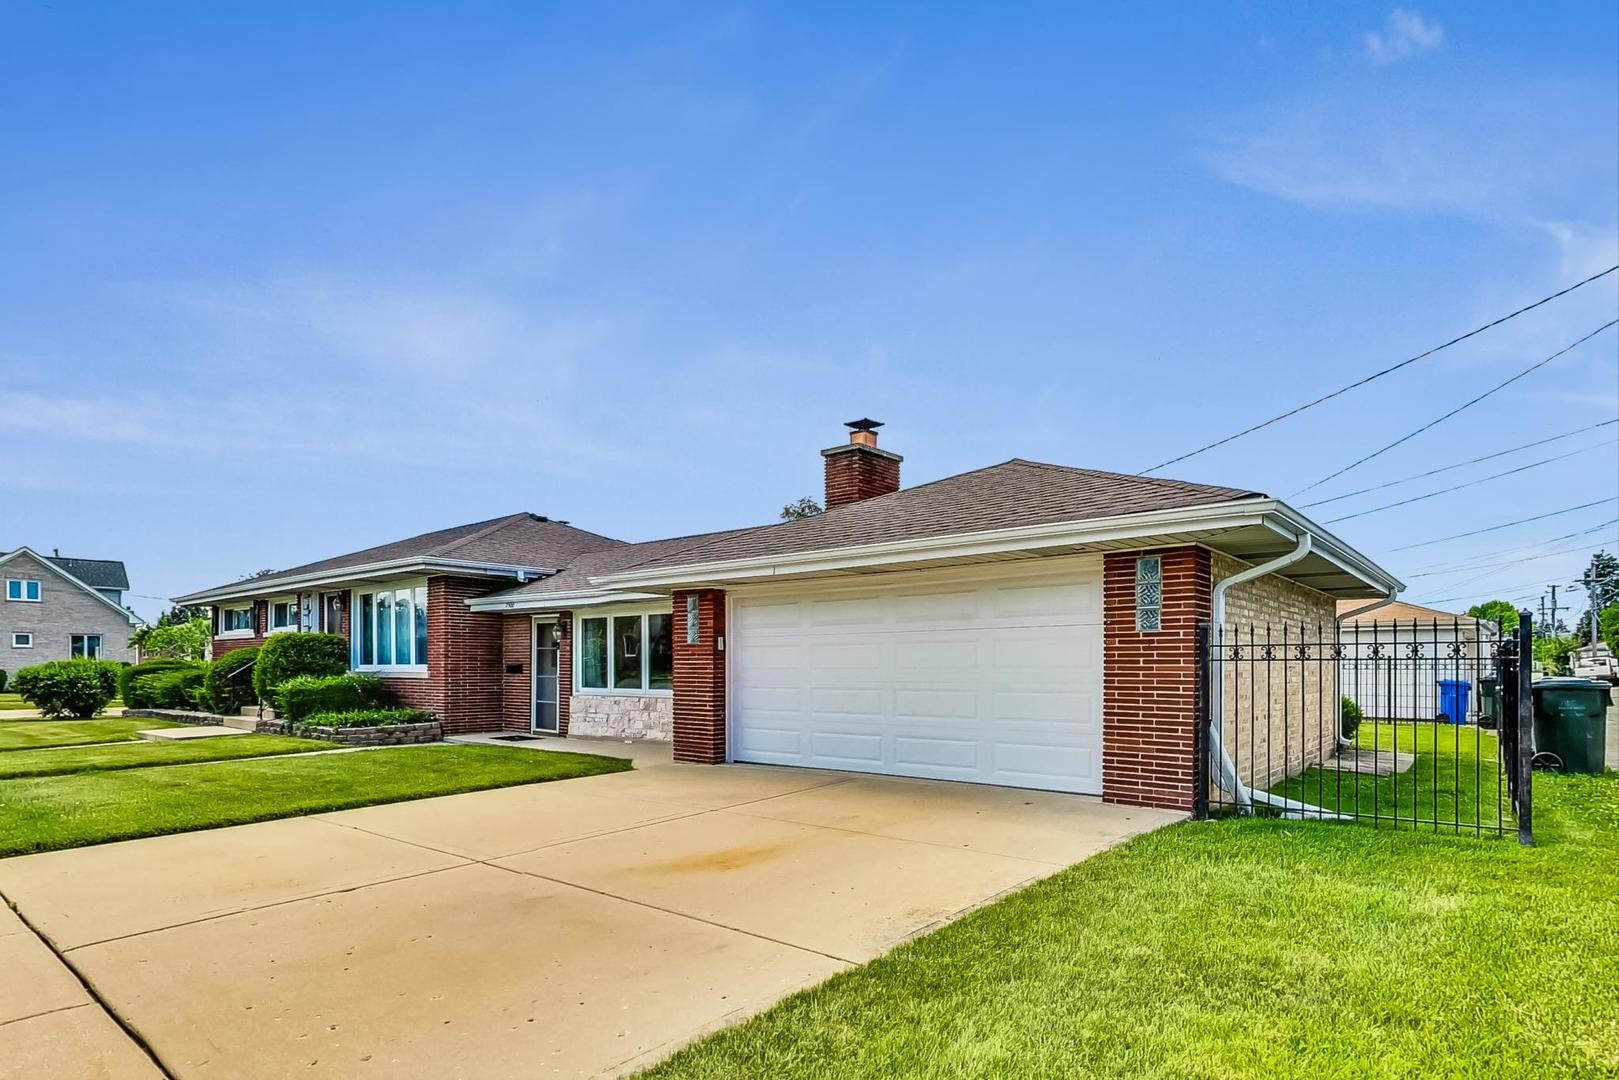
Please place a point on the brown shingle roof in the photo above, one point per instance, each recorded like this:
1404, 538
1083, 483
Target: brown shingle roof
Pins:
516, 540
1399, 610
1013, 493
580, 571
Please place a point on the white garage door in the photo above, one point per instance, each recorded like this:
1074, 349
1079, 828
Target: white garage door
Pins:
948, 675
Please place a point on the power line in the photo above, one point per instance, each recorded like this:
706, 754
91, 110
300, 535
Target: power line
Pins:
1523, 547
1537, 365
1386, 371
1509, 562
1458, 465
1500, 568
1508, 525
1471, 483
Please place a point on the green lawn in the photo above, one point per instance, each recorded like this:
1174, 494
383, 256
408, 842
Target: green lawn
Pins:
35, 734
1245, 948
1456, 778
142, 754
46, 813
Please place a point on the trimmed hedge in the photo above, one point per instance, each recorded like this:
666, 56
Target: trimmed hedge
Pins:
284, 656
1349, 717
2, 680
69, 689
304, 695
367, 718
227, 685
127, 676
181, 688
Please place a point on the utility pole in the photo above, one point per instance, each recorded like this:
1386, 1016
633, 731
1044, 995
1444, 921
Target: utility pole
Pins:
1589, 580
1551, 624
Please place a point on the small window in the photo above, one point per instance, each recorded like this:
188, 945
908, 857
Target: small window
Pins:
627, 652
25, 589
86, 646
236, 619
22, 641
284, 615
1149, 594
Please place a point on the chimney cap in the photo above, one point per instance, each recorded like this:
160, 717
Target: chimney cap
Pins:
864, 424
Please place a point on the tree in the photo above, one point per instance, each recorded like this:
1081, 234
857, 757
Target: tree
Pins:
1599, 593
1553, 653
1610, 626
178, 641
1500, 612
803, 508
182, 613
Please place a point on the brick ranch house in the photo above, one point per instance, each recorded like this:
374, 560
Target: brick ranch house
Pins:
1024, 624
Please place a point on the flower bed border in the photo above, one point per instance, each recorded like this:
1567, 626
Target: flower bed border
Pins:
379, 735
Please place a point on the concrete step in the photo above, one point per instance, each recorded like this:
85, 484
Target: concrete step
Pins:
242, 723
167, 734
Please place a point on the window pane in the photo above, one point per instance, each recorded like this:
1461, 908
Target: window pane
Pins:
660, 651
33, 590
421, 625
385, 628
402, 632
76, 645
368, 649
593, 653
627, 652
13, 590
93, 649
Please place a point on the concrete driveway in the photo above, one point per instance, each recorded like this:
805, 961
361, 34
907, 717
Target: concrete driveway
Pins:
576, 928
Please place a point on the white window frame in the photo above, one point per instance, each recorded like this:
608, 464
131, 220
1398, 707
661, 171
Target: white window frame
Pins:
293, 606
17, 643
246, 631
25, 586
609, 613
355, 638
85, 653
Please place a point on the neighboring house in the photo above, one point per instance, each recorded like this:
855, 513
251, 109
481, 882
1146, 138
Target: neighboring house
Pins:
1395, 656
54, 607
1023, 624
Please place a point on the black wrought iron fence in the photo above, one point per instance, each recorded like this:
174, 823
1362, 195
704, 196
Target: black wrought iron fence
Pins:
1400, 723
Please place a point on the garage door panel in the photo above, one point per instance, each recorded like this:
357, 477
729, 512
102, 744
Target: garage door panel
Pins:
990, 683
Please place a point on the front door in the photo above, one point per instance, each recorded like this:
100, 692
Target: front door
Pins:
547, 686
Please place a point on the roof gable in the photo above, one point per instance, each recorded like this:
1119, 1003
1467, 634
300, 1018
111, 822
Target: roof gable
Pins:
51, 565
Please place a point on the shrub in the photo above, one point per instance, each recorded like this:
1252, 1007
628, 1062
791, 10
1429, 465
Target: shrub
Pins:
1349, 718
303, 695
285, 655
2, 680
181, 688
128, 675
68, 688
368, 718
229, 682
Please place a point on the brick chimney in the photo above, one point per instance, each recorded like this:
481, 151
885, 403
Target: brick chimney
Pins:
858, 470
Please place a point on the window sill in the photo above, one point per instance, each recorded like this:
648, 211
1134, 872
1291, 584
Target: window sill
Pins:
414, 671
24, 600
596, 692
234, 634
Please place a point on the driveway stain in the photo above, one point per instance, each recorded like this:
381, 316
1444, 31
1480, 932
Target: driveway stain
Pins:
729, 859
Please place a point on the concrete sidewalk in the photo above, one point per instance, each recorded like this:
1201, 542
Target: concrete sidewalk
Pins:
576, 928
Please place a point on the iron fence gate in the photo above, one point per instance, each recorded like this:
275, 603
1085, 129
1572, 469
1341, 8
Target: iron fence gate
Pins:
1400, 723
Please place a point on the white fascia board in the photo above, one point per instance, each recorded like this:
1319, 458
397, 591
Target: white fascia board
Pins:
134, 619
365, 572
558, 601
1268, 513
1233, 515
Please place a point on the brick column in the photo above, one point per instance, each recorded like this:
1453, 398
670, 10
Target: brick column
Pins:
565, 628
700, 680
463, 657
1149, 680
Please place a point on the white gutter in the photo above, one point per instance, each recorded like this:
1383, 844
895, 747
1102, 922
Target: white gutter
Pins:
554, 601
1343, 743
364, 572
1224, 768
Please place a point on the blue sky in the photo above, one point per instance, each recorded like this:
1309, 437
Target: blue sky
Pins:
285, 281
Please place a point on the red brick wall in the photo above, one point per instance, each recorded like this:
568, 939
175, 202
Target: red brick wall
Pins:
517, 673
565, 667
1150, 680
700, 680
856, 472
463, 656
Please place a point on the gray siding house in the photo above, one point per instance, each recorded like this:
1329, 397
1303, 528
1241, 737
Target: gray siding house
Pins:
52, 608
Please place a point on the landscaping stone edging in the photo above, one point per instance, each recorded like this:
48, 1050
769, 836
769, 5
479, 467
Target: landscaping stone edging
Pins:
176, 714
381, 735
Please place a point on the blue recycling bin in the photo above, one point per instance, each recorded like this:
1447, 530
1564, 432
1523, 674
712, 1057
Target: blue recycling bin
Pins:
1453, 695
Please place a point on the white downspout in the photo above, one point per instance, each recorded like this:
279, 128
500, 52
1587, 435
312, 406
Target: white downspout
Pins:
1349, 744
1224, 768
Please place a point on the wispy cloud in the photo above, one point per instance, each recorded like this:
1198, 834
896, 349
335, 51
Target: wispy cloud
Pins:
1405, 34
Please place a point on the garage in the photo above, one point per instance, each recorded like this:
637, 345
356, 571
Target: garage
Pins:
986, 675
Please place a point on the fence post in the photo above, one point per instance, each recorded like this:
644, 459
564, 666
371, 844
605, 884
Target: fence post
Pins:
1525, 740
1200, 727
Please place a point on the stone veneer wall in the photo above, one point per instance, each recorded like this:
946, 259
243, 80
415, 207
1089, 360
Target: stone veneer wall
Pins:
615, 716
1281, 716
